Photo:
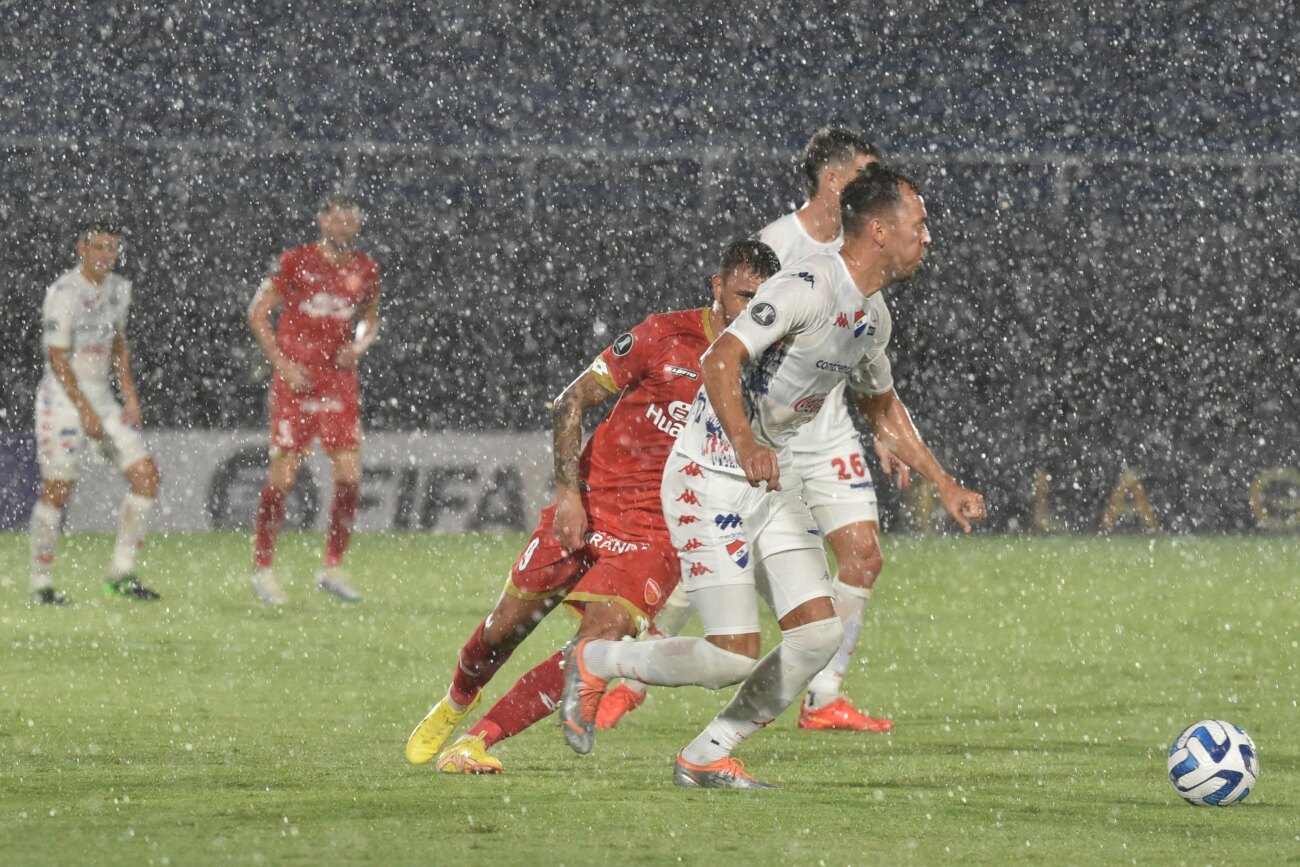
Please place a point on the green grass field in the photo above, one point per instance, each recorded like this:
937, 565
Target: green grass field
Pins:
1035, 685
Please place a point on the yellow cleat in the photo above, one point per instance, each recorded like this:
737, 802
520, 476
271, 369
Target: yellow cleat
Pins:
432, 732
468, 756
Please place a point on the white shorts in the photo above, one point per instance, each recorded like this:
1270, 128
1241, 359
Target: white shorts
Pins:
60, 441
837, 486
724, 530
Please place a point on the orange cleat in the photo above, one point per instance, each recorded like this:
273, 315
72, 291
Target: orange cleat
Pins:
839, 715
616, 703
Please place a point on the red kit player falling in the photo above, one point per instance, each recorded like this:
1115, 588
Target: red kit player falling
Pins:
321, 289
602, 546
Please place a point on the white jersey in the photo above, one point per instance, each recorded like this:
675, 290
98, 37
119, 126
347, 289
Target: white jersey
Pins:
832, 429
82, 318
808, 329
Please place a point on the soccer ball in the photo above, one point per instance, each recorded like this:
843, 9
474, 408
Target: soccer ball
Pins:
1213, 764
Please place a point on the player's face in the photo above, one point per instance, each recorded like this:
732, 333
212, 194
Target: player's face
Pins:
98, 254
733, 290
339, 226
909, 235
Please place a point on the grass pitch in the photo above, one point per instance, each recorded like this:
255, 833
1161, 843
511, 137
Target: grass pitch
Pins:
1035, 683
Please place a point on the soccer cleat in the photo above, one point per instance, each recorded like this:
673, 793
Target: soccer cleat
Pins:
335, 580
468, 755
581, 698
267, 588
432, 732
725, 773
839, 715
129, 588
616, 704
49, 596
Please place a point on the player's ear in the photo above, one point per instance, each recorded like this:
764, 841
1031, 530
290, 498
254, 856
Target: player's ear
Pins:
716, 281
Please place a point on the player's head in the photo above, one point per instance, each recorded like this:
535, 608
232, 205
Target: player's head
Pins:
744, 266
340, 218
99, 241
882, 211
833, 157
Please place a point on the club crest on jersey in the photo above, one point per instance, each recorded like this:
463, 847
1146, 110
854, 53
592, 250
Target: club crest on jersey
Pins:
652, 592
763, 313
738, 551
623, 344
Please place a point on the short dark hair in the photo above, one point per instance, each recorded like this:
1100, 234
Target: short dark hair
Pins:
99, 224
749, 254
339, 200
831, 144
876, 190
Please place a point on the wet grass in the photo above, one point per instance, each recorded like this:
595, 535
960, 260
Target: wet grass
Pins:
1035, 683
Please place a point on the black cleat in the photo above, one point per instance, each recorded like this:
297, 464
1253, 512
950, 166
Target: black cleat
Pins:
128, 587
49, 596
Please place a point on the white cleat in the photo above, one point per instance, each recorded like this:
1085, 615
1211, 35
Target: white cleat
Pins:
335, 581
267, 588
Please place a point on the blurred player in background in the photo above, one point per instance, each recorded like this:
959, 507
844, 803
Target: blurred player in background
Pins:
827, 455
84, 337
733, 503
321, 290
602, 545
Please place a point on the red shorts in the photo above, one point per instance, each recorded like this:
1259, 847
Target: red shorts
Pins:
330, 412
638, 575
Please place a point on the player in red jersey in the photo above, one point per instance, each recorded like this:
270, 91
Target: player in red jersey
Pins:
321, 289
602, 546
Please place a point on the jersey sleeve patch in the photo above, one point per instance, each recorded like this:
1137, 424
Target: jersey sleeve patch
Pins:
623, 344
600, 372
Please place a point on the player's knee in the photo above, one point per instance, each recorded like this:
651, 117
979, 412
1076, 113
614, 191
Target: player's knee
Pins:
814, 642
861, 569
144, 478
722, 668
56, 493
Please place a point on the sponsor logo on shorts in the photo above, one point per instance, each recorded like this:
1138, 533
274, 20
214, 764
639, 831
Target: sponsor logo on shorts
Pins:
687, 519
328, 404
692, 469
689, 498
652, 592
729, 521
698, 569
763, 313
623, 344
738, 551
605, 542
810, 404
692, 545
681, 371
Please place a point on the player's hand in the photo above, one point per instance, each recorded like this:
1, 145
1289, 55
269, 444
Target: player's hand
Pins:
963, 504
91, 425
348, 356
898, 472
570, 524
760, 465
294, 375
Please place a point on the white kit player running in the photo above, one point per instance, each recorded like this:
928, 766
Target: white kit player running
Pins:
733, 502
84, 338
827, 455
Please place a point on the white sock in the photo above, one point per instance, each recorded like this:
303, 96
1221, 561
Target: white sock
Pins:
131, 530
44, 530
771, 687
668, 662
851, 605
668, 623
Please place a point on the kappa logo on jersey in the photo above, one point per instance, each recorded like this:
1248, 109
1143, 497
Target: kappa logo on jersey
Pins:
698, 569
738, 551
763, 313
692, 545
689, 498
692, 469
806, 277
623, 344
681, 371
323, 305
727, 522
673, 421
687, 519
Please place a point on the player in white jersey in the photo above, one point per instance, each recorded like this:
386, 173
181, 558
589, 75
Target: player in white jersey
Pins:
84, 338
827, 456
732, 499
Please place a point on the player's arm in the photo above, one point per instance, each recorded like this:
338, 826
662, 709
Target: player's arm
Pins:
592, 388
721, 366
892, 424
264, 303
125, 381
367, 331
61, 367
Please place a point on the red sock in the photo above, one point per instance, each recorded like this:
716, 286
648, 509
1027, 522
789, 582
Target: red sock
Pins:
532, 698
478, 663
266, 525
343, 515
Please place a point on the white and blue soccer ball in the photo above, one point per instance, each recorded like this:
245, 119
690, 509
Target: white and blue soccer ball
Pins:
1213, 764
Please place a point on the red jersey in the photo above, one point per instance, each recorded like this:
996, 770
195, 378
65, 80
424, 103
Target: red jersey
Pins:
321, 301
657, 367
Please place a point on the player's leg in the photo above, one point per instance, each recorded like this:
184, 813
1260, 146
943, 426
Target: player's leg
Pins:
58, 444
629, 694
127, 446
47, 515
346, 465
268, 520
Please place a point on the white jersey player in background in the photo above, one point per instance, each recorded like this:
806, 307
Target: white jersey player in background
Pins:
733, 501
827, 455
84, 339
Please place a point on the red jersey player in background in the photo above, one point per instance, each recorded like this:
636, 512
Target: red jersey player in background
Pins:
602, 546
321, 289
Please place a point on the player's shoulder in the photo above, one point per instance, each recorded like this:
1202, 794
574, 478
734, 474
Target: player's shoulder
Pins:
778, 229
296, 255
366, 262
67, 282
676, 322
118, 285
